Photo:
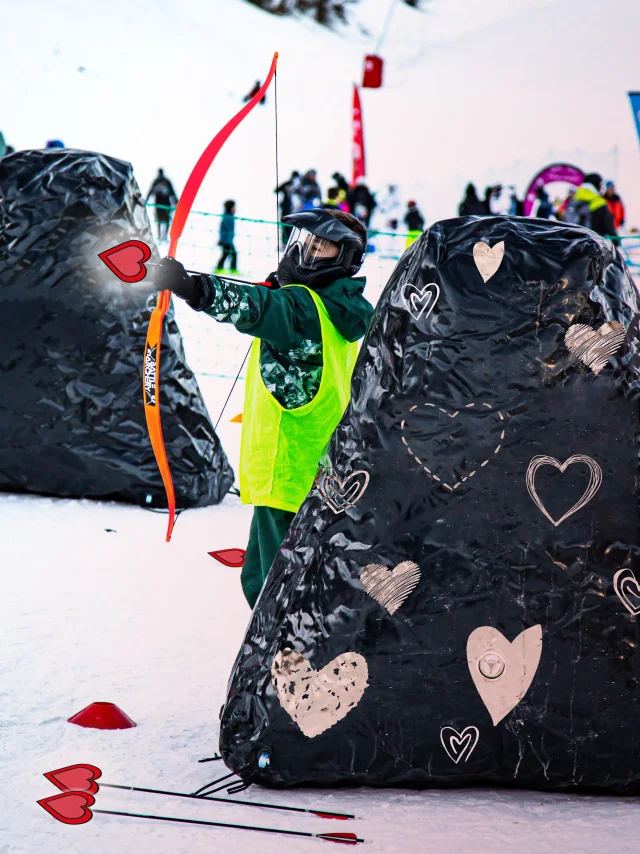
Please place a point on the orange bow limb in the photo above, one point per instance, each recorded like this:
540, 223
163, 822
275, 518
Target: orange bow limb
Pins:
151, 371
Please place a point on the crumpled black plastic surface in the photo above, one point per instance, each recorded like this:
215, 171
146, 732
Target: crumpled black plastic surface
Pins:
487, 554
72, 421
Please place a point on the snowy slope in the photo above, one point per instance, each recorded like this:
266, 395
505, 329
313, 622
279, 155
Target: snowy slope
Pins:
121, 616
160, 78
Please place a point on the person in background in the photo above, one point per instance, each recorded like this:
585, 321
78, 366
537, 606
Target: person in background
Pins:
226, 238
342, 200
286, 196
361, 202
615, 204
164, 197
542, 207
341, 182
589, 208
309, 191
389, 208
562, 213
471, 205
253, 93
333, 196
414, 221
298, 375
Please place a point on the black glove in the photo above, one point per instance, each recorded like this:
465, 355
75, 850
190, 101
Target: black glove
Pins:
197, 291
272, 278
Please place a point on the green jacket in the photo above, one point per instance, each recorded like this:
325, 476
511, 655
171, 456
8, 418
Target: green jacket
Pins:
286, 320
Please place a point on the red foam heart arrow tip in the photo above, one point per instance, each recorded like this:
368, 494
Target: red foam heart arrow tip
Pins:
69, 807
127, 259
230, 557
75, 778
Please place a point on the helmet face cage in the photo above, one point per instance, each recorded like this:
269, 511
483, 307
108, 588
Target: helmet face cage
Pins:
313, 252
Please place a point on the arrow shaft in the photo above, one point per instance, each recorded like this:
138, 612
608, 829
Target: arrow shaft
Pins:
222, 824
224, 800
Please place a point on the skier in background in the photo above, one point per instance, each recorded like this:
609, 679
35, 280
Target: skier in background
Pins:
414, 221
254, 92
589, 208
389, 208
542, 207
164, 196
226, 238
309, 191
286, 195
615, 204
361, 202
333, 196
298, 375
471, 205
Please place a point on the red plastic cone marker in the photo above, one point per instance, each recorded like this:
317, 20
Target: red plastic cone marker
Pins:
230, 557
102, 716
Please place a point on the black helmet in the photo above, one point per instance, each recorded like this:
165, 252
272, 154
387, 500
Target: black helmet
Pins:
320, 248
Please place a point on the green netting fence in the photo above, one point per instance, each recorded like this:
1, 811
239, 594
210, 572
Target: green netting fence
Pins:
217, 349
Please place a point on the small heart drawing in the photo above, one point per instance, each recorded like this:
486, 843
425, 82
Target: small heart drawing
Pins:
460, 744
127, 259
390, 587
432, 408
341, 494
488, 260
419, 300
501, 671
626, 586
69, 807
317, 699
594, 349
76, 778
595, 479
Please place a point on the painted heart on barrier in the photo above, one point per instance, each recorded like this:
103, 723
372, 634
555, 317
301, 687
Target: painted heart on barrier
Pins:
595, 479
317, 699
628, 590
341, 494
418, 300
459, 745
594, 349
488, 260
77, 778
501, 671
411, 440
390, 587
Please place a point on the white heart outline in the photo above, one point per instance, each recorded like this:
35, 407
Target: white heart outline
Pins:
595, 479
460, 737
409, 305
618, 586
350, 497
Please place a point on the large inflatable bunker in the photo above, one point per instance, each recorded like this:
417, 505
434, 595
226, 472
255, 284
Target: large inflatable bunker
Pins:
72, 342
457, 601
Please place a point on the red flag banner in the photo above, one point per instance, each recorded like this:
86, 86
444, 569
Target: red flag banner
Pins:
358, 138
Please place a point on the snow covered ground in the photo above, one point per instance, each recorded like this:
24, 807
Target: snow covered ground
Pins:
96, 606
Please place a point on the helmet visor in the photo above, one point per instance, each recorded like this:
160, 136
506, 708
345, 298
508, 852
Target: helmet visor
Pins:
313, 252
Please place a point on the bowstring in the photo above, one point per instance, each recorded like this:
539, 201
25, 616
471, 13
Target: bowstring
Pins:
237, 377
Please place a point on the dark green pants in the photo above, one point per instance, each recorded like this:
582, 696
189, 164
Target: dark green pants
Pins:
268, 529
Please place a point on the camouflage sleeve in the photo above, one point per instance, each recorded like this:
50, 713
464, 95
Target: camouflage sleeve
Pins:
286, 318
